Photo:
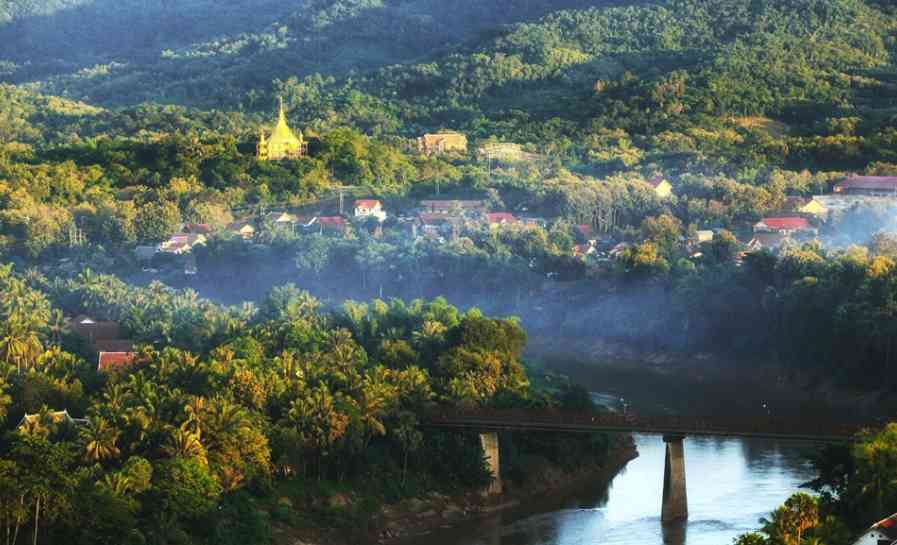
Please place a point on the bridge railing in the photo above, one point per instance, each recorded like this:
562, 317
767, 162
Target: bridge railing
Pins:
549, 418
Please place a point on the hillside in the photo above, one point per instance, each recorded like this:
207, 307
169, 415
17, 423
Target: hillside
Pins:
605, 86
213, 53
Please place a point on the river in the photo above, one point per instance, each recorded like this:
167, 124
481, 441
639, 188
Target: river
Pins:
731, 483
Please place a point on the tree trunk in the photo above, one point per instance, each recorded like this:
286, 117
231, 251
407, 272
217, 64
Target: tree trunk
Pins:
36, 519
404, 468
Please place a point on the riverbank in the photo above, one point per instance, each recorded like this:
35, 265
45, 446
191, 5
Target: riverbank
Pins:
406, 522
665, 382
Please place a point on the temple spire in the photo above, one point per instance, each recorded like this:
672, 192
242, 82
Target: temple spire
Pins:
282, 116
282, 142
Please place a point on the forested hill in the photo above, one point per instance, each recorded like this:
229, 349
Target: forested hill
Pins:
718, 85
121, 51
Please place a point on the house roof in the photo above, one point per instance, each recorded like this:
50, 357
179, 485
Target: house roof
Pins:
332, 220
240, 225
114, 360
868, 182
767, 240
655, 181
449, 204
786, 223
367, 203
94, 330
500, 217
281, 217
55, 416
887, 526
429, 218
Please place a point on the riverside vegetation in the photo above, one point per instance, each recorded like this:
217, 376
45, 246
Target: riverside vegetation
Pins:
234, 419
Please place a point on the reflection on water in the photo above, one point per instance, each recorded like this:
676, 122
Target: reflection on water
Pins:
731, 484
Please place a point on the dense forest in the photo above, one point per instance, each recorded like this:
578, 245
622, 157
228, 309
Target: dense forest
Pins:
230, 420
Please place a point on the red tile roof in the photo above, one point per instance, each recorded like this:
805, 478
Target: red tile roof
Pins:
500, 217
786, 223
888, 527
888, 183
367, 203
114, 360
332, 220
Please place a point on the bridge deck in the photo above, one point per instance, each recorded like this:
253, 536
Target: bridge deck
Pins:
804, 429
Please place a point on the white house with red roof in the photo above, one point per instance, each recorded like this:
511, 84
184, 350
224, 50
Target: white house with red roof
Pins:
784, 225
369, 208
883, 532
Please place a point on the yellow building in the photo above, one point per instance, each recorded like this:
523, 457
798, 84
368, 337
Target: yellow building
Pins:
815, 208
662, 188
442, 142
282, 144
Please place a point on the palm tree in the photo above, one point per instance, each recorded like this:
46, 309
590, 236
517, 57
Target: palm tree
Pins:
183, 443
57, 326
117, 483
99, 438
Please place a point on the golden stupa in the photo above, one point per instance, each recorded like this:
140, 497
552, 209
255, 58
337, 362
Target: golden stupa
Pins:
282, 144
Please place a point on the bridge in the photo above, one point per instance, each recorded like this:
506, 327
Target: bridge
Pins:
673, 429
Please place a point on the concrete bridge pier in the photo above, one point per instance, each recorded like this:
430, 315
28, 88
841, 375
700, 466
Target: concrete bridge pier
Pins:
489, 440
675, 500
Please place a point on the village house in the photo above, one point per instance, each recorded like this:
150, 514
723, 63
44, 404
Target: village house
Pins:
435, 224
617, 251
786, 225
103, 337
500, 219
883, 532
112, 361
877, 186
583, 250
281, 220
814, 207
369, 208
182, 243
530, 221
826, 206
442, 142
242, 228
332, 224
662, 188
93, 330
56, 417
768, 241
453, 207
